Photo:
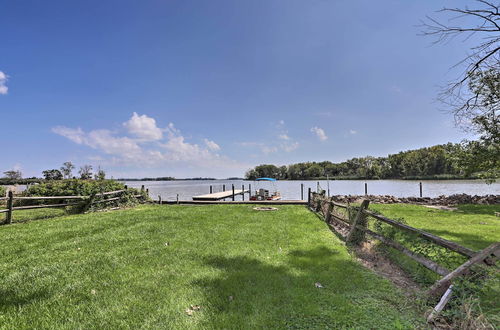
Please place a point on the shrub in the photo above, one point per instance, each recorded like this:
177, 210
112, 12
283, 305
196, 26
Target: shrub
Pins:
3, 191
77, 187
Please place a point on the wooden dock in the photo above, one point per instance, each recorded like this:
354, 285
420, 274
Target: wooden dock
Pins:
219, 195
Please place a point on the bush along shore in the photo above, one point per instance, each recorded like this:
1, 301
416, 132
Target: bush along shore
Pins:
441, 200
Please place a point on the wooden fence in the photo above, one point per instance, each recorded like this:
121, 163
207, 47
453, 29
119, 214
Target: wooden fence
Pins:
355, 221
85, 201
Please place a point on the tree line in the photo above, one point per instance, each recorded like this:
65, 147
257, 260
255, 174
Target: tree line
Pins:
85, 172
441, 161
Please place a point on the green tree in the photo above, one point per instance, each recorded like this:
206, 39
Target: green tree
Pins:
67, 169
13, 174
52, 174
85, 172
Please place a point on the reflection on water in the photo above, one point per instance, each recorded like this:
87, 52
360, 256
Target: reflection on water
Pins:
292, 189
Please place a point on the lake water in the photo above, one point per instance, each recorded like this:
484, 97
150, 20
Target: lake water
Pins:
291, 189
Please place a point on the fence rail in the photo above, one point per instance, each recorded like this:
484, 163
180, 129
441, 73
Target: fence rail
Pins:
90, 200
358, 227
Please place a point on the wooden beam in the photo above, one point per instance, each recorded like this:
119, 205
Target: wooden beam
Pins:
50, 197
442, 303
440, 286
29, 207
430, 237
427, 263
357, 222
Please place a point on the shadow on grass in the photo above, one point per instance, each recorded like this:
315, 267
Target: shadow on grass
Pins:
478, 209
472, 241
11, 298
284, 294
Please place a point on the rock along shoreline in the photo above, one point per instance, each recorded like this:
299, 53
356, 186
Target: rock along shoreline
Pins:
440, 200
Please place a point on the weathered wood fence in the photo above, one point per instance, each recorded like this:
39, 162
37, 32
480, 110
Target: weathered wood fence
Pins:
62, 201
355, 220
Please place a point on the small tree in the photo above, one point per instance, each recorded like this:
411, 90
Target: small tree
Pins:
52, 174
13, 175
85, 172
67, 169
100, 175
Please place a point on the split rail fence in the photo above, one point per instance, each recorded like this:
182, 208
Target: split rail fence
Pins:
61, 201
354, 219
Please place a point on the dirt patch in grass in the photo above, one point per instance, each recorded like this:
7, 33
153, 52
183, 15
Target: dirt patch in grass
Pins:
370, 258
441, 207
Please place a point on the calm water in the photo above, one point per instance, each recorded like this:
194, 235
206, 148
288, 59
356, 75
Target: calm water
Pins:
291, 189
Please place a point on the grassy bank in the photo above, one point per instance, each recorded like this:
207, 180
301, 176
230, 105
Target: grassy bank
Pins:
144, 267
473, 226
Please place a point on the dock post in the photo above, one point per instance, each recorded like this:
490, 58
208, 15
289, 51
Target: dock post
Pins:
10, 205
159, 199
210, 189
232, 187
302, 191
223, 187
249, 191
147, 191
243, 192
177, 198
366, 188
309, 197
420, 189
317, 187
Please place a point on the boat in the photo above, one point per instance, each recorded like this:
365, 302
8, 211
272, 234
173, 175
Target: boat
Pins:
262, 194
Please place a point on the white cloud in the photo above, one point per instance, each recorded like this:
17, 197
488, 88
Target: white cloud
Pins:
320, 133
211, 145
102, 140
283, 137
3, 80
268, 149
143, 127
353, 132
146, 148
289, 147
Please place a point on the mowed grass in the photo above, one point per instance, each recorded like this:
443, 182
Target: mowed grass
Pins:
473, 226
143, 267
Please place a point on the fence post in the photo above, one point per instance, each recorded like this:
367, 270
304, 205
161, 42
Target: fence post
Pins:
309, 197
355, 235
142, 188
223, 187
328, 216
210, 189
159, 199
319, 205
366, 188
243, 192
177, 198
232, 188
301, 191
10, 205
420, 189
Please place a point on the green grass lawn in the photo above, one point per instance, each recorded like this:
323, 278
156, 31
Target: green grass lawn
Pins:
473, 226
246, 269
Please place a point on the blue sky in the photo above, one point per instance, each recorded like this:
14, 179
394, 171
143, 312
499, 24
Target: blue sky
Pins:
212, 88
